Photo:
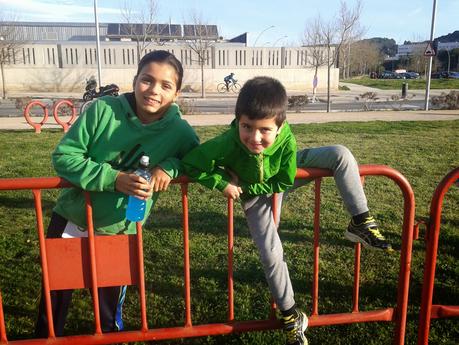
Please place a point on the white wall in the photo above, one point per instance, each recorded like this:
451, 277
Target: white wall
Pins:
73, 80
64, 66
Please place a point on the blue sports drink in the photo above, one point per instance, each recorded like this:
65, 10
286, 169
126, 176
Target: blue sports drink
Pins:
135, 211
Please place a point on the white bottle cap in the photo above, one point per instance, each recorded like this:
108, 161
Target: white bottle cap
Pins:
144, 160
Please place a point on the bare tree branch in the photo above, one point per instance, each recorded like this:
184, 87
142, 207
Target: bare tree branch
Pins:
10, 45
200, 42
331, 36
140, 25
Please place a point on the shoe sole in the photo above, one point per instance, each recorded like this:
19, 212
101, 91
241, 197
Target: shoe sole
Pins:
304, 327
356, 239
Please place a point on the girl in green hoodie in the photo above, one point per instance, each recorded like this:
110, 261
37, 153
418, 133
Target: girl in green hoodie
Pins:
100, 153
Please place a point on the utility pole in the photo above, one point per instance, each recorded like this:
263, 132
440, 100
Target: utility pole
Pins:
99, 72
429, 71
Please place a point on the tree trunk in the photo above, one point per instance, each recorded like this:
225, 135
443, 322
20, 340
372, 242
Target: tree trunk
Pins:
328, 80
203, 91
3, 81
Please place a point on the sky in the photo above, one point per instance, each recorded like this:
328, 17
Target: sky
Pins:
267, 22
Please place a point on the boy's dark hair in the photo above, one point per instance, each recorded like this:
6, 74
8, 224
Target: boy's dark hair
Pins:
262, 98
162, 56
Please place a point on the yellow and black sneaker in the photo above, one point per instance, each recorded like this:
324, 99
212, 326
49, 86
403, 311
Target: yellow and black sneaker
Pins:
294, 327
368, 234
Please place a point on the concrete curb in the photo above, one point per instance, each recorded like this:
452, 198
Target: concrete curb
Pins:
19, 123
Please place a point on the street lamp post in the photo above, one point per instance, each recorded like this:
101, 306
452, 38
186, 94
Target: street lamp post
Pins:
280, 38
426, 102
256, 40
99, 69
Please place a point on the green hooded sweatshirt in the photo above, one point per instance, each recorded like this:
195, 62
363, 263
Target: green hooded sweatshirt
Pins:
270, 171
109, 138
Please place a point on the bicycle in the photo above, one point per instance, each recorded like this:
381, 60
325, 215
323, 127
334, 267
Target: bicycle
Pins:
85, 105
234, 87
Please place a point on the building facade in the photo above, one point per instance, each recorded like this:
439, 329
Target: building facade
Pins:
63, 64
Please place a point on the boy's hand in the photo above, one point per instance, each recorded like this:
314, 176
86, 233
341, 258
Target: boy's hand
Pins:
159, 180
232, 191
132, 184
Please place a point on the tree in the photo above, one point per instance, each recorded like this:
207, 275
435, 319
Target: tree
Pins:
140, 26
200, 40
10, 45
314, 40
448, 59
366, 58
335, 34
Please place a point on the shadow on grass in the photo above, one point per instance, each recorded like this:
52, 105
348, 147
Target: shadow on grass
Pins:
24, 203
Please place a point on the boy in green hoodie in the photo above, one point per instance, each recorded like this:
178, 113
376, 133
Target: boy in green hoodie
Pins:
99, 154
257, 157
253, 159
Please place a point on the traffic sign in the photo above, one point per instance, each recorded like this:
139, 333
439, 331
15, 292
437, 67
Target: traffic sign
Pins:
429, 50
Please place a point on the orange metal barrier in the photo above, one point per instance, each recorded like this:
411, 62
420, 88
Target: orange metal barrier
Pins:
429, 311
90, 270
56, 107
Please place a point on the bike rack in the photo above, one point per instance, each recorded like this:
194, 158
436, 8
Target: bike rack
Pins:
437, 311
90, 270
56, 107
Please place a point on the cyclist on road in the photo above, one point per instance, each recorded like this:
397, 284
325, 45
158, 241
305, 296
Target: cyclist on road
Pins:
228, 79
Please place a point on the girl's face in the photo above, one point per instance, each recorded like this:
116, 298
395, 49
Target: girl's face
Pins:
155, 89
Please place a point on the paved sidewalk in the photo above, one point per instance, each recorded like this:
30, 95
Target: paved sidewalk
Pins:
336, 96
293, 118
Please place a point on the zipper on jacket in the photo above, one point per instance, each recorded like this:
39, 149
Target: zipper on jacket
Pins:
260, 164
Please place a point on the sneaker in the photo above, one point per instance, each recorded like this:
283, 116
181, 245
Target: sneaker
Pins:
368, 234
294, 328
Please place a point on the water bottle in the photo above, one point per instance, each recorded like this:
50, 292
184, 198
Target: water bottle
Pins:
135, 211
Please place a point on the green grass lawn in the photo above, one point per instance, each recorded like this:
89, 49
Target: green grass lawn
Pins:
396, 84
422, 151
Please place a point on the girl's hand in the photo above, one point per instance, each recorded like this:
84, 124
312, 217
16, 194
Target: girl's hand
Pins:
232, 191
132, 184
159, 180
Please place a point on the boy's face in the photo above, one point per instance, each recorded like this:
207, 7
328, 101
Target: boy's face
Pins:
258, 134
155, 89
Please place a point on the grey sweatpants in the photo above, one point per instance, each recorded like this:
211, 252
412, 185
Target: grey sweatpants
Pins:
263, 227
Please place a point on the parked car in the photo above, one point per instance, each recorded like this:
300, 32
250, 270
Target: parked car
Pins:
453, 75
389, 75
410, 75
445, 75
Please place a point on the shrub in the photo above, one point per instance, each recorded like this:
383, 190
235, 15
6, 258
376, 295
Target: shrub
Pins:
446, 101
297, 101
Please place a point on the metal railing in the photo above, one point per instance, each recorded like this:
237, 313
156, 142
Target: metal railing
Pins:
90, 270
428, 310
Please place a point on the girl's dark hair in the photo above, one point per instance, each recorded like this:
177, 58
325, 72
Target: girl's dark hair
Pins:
162, 56
262, 98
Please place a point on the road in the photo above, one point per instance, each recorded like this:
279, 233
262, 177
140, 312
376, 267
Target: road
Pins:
215, 103
226, 106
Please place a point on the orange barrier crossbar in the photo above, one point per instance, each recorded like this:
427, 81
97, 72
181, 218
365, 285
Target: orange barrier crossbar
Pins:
92, 270
429, 311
